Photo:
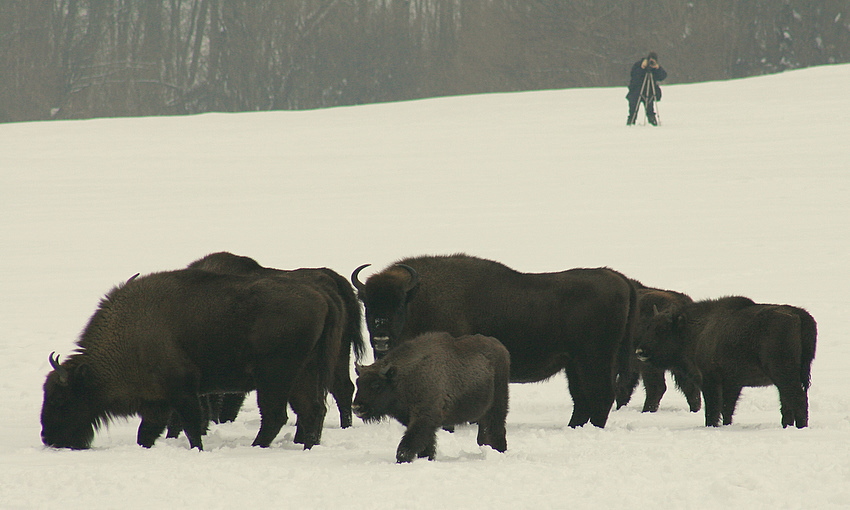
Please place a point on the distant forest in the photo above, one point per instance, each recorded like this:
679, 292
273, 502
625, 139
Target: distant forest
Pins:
74, 59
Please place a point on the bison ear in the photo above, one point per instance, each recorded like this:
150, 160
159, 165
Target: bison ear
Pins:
387, 372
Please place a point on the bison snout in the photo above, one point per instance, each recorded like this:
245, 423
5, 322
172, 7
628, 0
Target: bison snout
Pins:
359, 410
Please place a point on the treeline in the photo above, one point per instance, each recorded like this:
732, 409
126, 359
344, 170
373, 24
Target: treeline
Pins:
96, 58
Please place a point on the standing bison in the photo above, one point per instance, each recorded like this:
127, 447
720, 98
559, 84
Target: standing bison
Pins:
650, 302
437, 380
578, 320
729, 343
339, 292
158, 343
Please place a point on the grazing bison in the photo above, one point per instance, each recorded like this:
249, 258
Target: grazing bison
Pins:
729, 343
650, 302
578, 320
434, 381
158, 343
337, 288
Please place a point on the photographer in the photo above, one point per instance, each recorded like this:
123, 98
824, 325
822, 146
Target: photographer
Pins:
638, 73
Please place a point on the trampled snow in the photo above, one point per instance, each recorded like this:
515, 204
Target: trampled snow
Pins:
744, 189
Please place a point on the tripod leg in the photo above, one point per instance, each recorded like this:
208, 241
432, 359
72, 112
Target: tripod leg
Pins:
634, 103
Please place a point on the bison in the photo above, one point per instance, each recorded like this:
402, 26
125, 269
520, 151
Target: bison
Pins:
650, 302
157, 343
578, 320
729, 343
339, 291
436, 380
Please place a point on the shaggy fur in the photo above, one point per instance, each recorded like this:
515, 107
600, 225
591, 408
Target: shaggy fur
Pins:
159, 342
578, 320
337, 288
436, 381
727, 344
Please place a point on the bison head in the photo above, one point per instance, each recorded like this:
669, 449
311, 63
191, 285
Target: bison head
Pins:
376, 397
658, 340
386, 296
67, 416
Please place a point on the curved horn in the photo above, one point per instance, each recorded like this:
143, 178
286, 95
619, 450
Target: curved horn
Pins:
355, 280
62, 371
655, 310
414, 277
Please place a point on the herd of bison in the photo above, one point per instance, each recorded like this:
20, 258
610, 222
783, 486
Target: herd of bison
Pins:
449, 333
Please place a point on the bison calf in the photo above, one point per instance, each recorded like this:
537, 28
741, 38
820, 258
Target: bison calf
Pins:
729, 343
650, 302
437, 380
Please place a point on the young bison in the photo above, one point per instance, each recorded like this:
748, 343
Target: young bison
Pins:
438, 380
729, 343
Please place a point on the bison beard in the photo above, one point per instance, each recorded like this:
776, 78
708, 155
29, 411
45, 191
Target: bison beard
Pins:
437, 381
159, 342
578, 320
731, 343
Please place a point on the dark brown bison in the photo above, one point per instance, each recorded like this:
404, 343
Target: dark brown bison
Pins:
158, 343
650, 302
434, 381
578, 320
337, 288
729, 343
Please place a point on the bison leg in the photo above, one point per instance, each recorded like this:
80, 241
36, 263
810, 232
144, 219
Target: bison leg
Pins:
654, 385
149, 432
690, 388
275, 379
491, 427
194, 419
231, 403
711, 393
626, 387
174, 427
731, 394
343, 393
308, 402
419, 440
794, 405
592, 388
155, 417
581, 411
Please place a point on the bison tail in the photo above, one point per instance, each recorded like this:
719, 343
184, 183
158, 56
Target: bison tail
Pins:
353, 332
328, 347
808, 340
626, 350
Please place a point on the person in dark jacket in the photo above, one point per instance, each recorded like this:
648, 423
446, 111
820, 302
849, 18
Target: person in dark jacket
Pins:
638, 73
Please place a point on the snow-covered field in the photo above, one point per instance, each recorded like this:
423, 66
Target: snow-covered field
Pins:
744, 189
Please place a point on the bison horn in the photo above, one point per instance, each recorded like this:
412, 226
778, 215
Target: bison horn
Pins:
655, 310
414, 277
60, 370
354, 277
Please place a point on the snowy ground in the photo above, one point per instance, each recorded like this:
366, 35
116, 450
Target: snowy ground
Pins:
743, 190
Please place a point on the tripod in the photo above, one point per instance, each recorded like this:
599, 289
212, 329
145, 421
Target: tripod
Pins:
647, 97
